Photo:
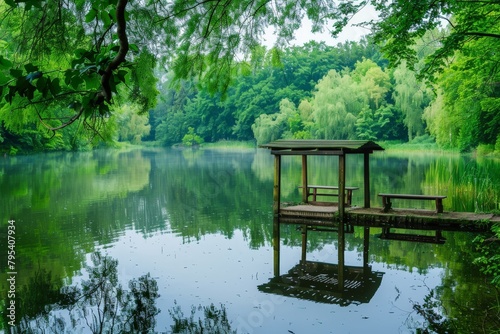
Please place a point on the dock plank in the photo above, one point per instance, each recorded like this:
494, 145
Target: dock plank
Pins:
397, 218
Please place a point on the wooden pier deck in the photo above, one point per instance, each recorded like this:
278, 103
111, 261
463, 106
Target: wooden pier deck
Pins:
323, 215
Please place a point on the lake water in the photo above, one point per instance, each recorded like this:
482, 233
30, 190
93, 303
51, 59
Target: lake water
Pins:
200, 222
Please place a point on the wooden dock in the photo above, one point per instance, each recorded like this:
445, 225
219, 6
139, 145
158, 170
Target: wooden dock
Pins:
328, 215
341, 217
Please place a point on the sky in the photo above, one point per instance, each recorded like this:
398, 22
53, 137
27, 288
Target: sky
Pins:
350, 33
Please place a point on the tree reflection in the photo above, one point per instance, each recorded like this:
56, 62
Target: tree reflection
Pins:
32, 298
471, 312
101, 303
215, 321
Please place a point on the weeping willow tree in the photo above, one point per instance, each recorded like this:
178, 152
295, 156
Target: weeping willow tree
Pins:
337, 102
409, 97
267, 128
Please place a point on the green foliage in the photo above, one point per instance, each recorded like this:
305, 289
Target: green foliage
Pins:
435, 321
132, 126
485, 149
337, 102
409, 96
489, 248
52, 76
191, 138
465, 112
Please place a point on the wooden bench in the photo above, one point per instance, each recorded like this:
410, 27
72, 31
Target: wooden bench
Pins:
315, 193
386, 200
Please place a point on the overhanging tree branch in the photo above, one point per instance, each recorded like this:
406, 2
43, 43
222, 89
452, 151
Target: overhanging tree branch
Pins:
121, 31
480, 34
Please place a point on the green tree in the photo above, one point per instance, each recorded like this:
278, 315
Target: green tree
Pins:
402, 24
337, 102
465, 112
373, 80
111, 44
191, 138
409, 97
271, 127
132, 126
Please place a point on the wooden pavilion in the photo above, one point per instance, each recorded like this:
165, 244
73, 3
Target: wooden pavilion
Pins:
340, 217
305, 148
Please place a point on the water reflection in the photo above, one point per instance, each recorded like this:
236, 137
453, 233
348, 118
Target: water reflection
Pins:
201, 224
326, 282
214, 320
319, 282
99, 305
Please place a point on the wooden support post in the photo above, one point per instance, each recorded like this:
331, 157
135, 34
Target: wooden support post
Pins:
304, 179
366, 248
304, 243
276, 212
277, 184
367, 179
276, 246
341, 234
341, 187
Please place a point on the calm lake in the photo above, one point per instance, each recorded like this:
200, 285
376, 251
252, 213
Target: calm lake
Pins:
200, 223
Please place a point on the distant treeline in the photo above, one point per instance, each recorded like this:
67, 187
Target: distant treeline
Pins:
316, 91
347, 91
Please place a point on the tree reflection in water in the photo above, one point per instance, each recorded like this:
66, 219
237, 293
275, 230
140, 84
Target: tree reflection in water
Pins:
215, 320
443, 313
101, 303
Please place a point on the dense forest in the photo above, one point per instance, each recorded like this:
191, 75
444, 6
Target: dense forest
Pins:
75, 77
346, 91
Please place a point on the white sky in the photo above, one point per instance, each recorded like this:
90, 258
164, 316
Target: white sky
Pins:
350, 33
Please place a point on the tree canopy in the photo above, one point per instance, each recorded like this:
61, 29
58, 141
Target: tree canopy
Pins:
80, 62
79, 53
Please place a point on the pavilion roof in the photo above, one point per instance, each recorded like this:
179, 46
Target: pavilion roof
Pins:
326, 147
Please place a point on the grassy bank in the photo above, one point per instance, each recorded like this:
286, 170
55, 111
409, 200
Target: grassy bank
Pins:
229, 145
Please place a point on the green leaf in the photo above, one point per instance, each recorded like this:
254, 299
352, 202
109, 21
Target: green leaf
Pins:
30, 68
55, 87
90, 15
76, 81
91, 82
10, 95
80, 52
16, 73
133, 47
121, 75
112, 13
41, 84
106, 19
5, 63
3, 79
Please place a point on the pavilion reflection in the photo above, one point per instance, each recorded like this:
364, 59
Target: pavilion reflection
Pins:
331, 283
